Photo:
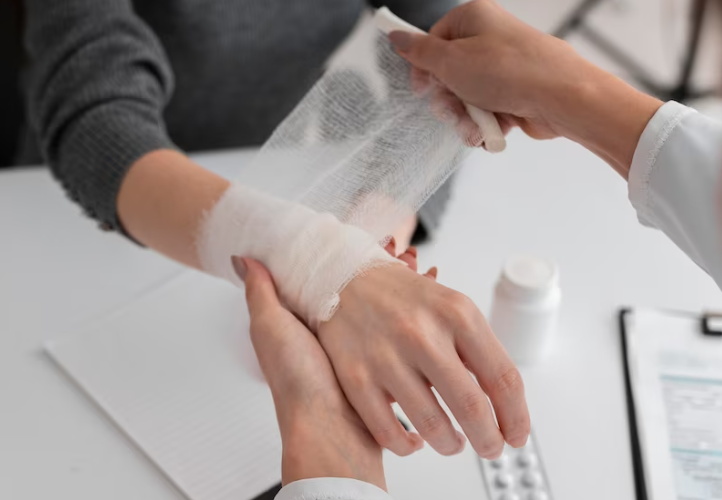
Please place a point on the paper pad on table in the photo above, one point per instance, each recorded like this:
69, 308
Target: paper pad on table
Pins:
176, 372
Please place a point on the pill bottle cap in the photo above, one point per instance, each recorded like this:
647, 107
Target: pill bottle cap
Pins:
529, 277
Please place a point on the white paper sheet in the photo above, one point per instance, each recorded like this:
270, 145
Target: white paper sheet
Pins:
176, 372
676, 375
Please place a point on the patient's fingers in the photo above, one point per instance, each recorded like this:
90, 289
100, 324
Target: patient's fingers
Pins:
375, 410
423, 409
432, 273
410, 257
391, 247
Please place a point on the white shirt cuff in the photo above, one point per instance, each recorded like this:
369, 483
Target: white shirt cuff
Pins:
331, 488
652, 140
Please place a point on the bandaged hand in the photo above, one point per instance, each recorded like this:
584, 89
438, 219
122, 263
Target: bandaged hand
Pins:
311, 255
395, 335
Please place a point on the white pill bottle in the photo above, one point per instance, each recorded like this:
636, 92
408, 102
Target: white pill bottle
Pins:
525, 307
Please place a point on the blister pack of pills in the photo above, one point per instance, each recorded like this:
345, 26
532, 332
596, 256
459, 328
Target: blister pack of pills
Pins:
518, 474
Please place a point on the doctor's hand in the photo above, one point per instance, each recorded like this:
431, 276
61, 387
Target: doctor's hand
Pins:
487, 57
490, 59
395, 335
322, 435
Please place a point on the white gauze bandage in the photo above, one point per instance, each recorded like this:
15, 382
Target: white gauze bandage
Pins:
353, 161
311, 255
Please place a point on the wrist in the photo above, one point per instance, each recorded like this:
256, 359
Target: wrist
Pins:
312, 452
602, 113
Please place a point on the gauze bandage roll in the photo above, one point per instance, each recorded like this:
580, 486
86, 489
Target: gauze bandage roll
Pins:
354, 160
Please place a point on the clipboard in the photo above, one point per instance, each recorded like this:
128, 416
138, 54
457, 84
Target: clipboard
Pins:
705, 328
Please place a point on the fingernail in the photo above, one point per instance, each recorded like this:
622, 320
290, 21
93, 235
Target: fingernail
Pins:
400, 40
240, 266
413, 251
519, 442
433, 272
392, 245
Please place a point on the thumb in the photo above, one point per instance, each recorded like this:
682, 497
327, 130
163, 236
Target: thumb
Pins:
261, 293
426, 52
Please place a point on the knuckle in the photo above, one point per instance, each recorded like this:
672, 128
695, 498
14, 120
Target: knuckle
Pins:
405, 323
431, 348
431, 424
509, 383
412, 335
460, 309
398, 322
473, 407
357, 378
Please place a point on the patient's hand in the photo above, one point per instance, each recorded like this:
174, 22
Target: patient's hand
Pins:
322, 435
397, 333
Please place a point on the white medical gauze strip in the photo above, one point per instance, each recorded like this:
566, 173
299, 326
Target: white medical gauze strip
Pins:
311, 255
494, 140
361, 145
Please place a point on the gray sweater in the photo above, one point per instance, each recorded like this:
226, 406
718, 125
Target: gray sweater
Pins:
110, 80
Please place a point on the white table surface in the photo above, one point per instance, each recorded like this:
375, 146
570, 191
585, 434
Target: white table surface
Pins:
553, 198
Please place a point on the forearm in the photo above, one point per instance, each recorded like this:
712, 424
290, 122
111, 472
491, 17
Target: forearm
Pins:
162, 202
603, 114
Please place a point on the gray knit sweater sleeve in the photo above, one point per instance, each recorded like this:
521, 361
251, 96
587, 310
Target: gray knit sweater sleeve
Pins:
96, 87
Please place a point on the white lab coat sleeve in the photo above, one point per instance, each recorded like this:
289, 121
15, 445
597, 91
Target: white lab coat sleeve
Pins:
331, 488
675, 182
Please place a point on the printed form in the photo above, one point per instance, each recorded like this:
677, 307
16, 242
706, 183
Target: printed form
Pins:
676, 375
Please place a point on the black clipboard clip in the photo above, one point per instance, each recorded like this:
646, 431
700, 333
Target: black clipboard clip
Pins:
711, 324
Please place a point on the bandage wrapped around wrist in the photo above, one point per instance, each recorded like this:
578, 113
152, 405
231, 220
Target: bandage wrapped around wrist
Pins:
311, 255
353, 161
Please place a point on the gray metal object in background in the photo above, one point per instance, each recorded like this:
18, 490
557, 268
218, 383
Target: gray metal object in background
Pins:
682, 90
